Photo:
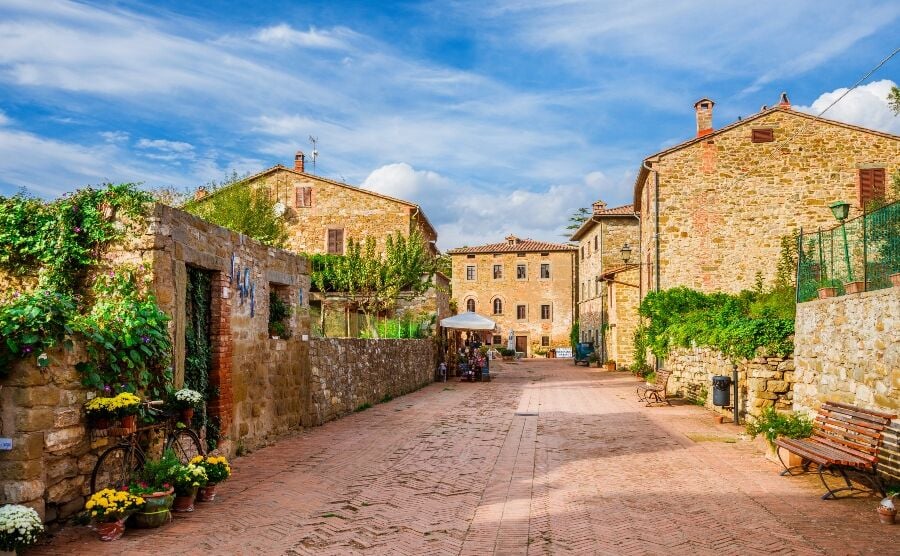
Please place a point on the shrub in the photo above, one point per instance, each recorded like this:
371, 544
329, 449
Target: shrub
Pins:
773, 424
32, 323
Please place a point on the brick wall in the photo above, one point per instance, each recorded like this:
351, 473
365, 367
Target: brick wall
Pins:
349, 373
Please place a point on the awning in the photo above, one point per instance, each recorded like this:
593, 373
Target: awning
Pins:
468, 321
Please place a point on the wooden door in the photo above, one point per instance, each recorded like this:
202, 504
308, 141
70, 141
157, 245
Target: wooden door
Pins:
522, 344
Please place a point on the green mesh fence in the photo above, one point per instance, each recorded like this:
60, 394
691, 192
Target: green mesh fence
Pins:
861, 254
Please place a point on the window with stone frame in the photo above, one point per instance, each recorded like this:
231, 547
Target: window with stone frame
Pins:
498, 306
595, 241
545, 271
521, 312
335, 241
304, 197
545, 312
762, 135
496, 339
498, 271
470, 272
870, 185
470, 305
521, 271
545, 341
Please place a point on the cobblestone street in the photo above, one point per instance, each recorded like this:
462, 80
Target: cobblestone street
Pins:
546, 459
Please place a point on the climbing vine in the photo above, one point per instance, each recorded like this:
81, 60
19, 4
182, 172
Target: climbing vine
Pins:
32, 323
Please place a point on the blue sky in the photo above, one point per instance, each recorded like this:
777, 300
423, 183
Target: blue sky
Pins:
497, 117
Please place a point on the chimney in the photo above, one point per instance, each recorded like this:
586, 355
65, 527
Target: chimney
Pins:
704, 108
200, 193
298, 161
599, 207
785, 102
511, 240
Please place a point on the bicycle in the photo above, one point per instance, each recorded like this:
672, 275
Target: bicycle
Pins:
120, 463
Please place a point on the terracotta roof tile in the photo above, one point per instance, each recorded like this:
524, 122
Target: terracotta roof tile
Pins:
624, 209
517, 246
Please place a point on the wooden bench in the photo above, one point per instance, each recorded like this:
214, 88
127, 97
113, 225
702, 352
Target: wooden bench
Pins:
844, 446
656, 392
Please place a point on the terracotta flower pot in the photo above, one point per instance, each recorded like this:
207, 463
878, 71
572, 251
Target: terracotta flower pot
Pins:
207, 493
185, 503
187, 414
110, 530
610, 365
825, 293
895, 279
156, 510
886, 515
855, 287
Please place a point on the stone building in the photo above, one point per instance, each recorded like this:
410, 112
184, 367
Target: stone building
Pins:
713, 208
525, 286
607, 310
323, 214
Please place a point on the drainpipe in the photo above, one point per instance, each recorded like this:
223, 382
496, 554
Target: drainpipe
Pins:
656, 230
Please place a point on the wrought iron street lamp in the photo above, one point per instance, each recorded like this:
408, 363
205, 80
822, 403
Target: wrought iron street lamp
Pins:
626, 253
840, 210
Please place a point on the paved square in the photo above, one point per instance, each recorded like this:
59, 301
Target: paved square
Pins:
463, 468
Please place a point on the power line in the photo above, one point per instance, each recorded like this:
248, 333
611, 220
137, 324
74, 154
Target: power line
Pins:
845, 93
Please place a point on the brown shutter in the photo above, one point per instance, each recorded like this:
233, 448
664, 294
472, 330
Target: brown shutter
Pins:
871, 185
307, 196
336, 242
762, 135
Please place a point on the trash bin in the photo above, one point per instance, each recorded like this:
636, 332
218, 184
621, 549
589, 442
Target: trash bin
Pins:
721, 391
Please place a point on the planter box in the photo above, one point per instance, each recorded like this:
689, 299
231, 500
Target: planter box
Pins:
855, 287
790, 459
825, 293
611, 366
895, 279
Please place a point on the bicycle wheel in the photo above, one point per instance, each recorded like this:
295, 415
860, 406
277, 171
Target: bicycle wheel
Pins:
186, 444
116, 467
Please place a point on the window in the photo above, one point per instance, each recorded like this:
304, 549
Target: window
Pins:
336, 241
545, 254
498, 306
582, 252
545, 270
470, 256
545, 312
520, 254
470, 272
762, 135
498, 271
545, 341
520, 272
595, 241
304, 197
496, 339
871, 185
470, 305
520, 312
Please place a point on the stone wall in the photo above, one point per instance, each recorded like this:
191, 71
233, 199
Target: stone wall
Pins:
762, 381
349, 373
848, 350
624, 299
725, 202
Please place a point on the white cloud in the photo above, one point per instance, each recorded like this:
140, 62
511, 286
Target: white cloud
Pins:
165, 145
114, 136
865, 106
402, 181
285, 35
4, 119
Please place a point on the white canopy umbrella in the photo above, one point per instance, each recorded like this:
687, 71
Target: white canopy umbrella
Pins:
468, 321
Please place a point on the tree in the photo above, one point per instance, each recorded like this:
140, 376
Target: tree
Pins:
894, 99
578, 218
244, 209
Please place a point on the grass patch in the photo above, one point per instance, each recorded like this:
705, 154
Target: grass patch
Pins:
386, 398
703, 437
329, 515
363, 407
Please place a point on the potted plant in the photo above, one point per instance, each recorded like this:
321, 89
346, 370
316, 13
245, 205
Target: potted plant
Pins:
123, 406
20, 527
188, 478
610, 364
887, 509
593, 360
157, 491
99, 414
857, 286
772, 424
217, 470
828, 288
187, 400
108, 510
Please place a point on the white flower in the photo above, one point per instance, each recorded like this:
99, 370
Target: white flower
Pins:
191, 397
19, 526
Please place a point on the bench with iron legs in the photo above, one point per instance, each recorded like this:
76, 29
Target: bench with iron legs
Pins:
656, 392
843, 446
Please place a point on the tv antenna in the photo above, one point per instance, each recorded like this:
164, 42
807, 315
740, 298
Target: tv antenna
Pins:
315, 151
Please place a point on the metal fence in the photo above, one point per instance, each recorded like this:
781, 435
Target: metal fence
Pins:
860, 255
